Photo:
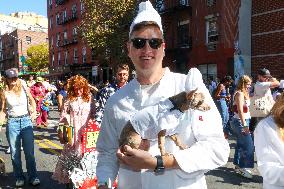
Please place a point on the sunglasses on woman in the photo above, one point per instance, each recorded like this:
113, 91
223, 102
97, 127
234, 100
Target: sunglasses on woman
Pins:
154, 43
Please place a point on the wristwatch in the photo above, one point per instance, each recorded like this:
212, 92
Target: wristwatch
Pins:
160, 169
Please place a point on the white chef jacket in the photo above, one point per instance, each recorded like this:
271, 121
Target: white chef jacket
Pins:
201, 131
269, 150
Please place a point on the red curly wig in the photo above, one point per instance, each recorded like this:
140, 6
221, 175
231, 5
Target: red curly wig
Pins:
78, 82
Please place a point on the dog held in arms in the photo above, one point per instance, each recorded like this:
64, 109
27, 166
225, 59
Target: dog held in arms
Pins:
181, 103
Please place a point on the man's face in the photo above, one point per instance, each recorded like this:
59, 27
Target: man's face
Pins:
262, 78
122, 76
146, 59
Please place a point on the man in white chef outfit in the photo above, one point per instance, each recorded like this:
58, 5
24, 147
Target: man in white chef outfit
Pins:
200, 131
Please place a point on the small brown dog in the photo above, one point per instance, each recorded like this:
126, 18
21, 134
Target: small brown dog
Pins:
2, 167
182, 102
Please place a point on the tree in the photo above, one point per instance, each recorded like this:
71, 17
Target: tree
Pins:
37, 57
105, 27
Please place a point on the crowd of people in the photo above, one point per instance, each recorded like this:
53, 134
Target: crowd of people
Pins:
232, 112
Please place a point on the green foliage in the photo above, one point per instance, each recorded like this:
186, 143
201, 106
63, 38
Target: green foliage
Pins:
105, 27
37, 57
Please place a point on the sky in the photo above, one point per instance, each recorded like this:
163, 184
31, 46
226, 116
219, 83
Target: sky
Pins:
10, 6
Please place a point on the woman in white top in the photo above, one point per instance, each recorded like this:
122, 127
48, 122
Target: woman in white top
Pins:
244, 151
15, 100
269, 146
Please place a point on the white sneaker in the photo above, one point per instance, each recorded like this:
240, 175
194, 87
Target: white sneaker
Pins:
8, 151
245, 172
20, 183
35, 182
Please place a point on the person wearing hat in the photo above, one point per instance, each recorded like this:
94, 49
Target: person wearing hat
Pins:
19, 105
139, 169
38, 91
265, 82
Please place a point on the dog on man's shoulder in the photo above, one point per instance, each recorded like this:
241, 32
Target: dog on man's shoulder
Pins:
2, 167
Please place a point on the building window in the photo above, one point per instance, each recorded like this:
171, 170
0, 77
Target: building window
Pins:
208, 71
50, 3
212, 34
93, 54
57, 19
65, 58
1, 55
52, 59
82, 8
57, 39
51, 22
74, 11
75, 56
183, 2
74, 34
84, 55
65, 39
211, 3
64, 16
28, 39
160, 5
59, 59
183, 34
51, 41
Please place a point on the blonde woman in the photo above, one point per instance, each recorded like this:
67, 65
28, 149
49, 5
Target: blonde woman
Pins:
269, 146
14, 102
244, 151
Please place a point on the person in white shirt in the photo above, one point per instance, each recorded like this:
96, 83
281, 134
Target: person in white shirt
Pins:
19, 106
269, 146
264, 83
200, 131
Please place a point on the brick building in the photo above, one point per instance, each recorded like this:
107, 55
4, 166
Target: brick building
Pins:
202, 34
14, 45
268, 36
68, 54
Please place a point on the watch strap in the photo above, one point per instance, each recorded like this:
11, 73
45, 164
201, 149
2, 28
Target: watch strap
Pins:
160, 165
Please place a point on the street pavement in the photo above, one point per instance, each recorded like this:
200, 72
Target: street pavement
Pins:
47, 148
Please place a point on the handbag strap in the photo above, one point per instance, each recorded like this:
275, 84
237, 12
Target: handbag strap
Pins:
27, 98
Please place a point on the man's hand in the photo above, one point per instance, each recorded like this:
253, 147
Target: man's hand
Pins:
34, 115
245, 130
136, 159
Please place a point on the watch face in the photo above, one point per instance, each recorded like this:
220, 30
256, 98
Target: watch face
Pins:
160, 171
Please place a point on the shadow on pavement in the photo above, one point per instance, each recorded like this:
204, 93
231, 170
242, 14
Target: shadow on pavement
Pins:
50, 151
235, 178
8, 182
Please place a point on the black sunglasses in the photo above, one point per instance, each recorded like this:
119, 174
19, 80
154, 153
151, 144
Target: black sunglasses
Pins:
154, 43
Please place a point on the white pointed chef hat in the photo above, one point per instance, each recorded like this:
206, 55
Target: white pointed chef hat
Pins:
146, 13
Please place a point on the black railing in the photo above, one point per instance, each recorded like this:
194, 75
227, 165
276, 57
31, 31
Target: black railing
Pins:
66, 42
60, 2
68, 19
173, 5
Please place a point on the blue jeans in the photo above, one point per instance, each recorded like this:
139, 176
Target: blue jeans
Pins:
224, 112
244, 151
21, 130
